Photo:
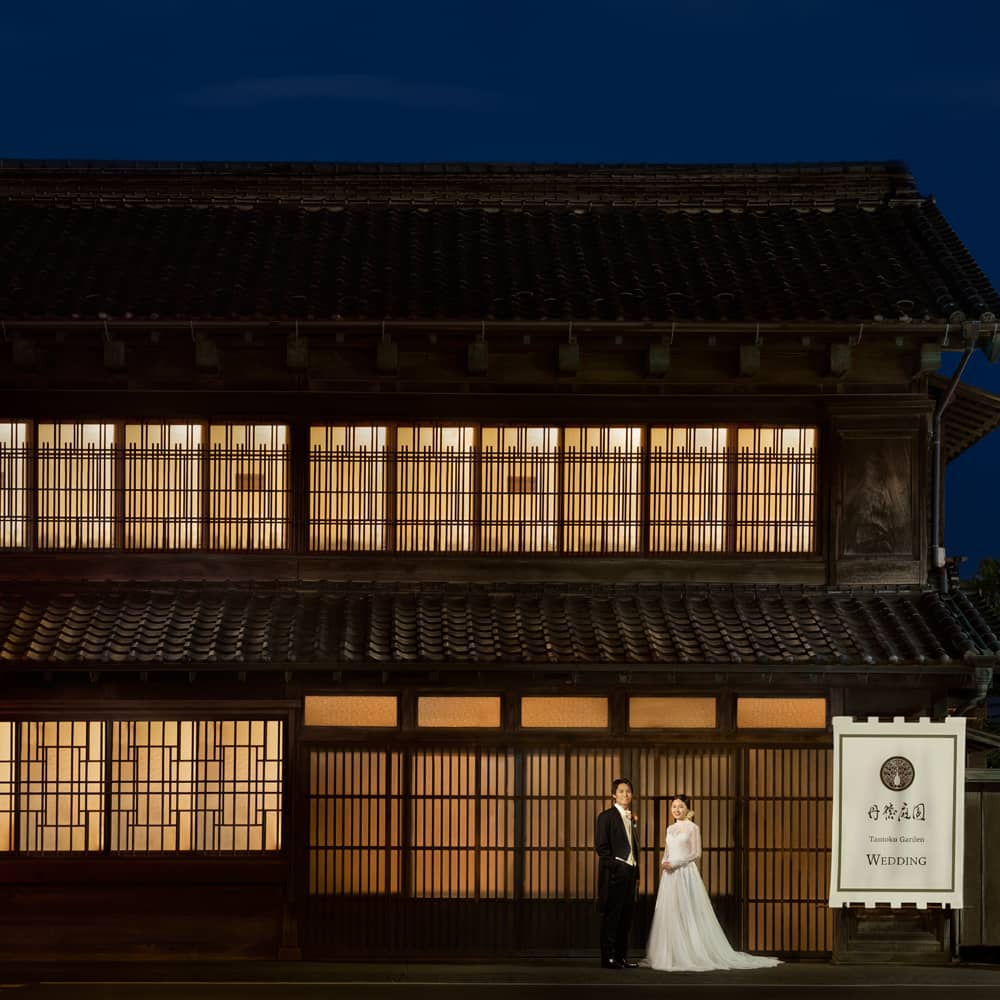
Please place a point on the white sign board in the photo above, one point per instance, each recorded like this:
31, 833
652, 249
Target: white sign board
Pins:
898, 812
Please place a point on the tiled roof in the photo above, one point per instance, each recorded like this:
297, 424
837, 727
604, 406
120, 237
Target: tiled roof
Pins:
337, 624
827, 242
972, 414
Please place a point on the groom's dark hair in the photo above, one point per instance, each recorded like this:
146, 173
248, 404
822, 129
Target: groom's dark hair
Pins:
621, 781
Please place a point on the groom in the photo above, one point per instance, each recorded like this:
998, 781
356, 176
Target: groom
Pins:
617, 842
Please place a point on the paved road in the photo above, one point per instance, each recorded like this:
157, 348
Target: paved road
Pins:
306, 981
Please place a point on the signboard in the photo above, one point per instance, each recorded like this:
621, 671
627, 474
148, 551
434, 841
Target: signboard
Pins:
898, 812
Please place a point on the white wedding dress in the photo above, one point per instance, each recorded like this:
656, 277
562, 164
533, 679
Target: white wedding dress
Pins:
686, 936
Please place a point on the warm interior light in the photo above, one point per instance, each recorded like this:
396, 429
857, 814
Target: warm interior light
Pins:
564, 713
370, 711
61, 789
355, 822
435, 497
671, 713
520, 489
688, 489
13, 485
602, 469
163, 486
781, 713
563, 794
6, 787
183, 785
775, 489
788, 822
248, 486
347, 489
458, 712
76, 498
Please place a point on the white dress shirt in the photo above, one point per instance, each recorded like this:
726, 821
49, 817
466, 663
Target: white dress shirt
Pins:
626, 820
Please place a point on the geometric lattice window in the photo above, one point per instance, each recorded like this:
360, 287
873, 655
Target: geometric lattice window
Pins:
462, 824
788, 822
248, 486
563, 794
602, 477
61, 792
13, 485
520, 489
76, 502
688, 491
434, 489
460, 813
163, 486
355, 840
7, 786
775, 489
207, 786
347, 489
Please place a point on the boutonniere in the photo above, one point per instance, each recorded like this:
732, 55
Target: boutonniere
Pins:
634, 817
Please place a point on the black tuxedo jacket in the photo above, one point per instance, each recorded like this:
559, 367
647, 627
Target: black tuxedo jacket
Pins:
611, 842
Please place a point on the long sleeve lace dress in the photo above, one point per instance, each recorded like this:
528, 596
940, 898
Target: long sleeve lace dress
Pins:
685, 935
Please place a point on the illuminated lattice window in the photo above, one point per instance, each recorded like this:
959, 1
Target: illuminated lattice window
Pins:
602, 474
61, 789
462, 824
13, 485
163, 494
355, 841
76, 497
7, 787
435, 489
520, 489
775, 489
248, 486
347, 468
688, 490
208, 786
563, 794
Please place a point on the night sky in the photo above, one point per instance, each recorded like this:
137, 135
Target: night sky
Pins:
672, 81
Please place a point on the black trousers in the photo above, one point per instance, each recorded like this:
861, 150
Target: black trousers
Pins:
616, 917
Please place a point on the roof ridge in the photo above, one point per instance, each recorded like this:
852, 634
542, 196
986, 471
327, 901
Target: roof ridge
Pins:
458, 183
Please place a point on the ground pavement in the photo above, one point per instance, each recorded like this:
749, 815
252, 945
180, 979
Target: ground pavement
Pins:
311, 981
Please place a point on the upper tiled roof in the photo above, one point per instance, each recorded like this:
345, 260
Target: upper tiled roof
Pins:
333, 625
761, 243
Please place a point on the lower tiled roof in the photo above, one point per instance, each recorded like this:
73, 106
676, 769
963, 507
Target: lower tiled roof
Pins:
333, 624
972, 414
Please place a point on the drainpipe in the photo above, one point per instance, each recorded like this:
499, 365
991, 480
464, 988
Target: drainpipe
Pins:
937, 540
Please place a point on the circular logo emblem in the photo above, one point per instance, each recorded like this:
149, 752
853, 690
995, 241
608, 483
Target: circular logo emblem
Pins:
897, 774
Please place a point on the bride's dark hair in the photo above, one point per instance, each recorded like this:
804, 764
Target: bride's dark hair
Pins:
687, 803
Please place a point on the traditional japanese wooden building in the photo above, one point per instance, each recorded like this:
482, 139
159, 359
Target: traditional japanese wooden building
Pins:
360, 523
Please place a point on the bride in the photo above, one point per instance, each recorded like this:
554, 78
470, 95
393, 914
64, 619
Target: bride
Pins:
686, 936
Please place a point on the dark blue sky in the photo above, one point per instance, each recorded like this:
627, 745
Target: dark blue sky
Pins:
589, 80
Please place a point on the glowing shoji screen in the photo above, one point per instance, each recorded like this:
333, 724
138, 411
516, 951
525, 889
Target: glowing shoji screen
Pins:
163, 486
248, 486
76, 478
